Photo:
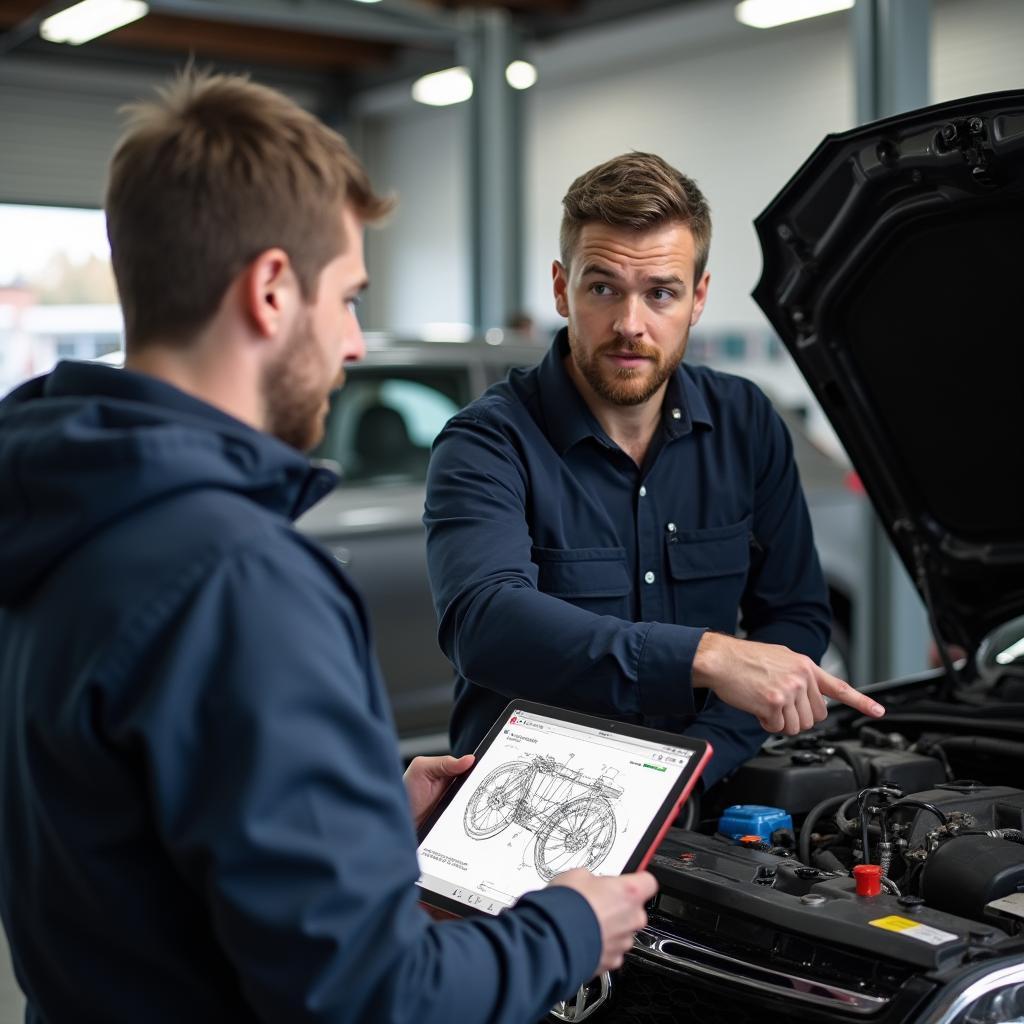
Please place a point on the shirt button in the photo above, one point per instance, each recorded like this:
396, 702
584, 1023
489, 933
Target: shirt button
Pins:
648, 577
671, 527
677, 414
643, 491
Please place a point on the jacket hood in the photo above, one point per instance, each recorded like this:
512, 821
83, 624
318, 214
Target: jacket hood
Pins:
87, 445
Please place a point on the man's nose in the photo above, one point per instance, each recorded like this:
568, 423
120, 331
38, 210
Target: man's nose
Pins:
354, 350
629, 323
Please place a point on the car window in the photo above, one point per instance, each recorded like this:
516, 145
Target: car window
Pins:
382, 423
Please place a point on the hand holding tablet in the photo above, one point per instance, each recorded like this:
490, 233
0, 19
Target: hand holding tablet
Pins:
618, 905
553, 791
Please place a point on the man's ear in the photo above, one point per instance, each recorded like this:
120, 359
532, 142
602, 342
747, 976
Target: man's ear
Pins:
700, 296
560, 284
270, 293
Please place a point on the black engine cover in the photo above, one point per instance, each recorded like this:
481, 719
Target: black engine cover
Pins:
800, 778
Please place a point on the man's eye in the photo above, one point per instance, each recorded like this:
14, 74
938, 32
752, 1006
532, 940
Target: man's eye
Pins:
354, 303
662, 295
600, 289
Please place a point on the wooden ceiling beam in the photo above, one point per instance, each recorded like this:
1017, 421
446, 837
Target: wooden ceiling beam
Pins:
250, 43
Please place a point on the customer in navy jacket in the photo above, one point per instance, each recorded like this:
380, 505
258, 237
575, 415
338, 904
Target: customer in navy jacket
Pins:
202, 812
597, 524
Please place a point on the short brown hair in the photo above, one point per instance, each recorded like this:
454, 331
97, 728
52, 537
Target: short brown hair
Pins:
208, 176
639, 191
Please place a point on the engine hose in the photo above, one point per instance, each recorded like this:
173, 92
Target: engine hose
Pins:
862, 806
1011, 835
813, 816
978, 745
848, 826
689, 816
865, 849
890, 886
951, 722
885, 856
844, 755
922, 804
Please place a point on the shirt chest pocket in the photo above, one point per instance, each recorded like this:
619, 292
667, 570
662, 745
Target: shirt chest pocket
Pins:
709, 573
595, 579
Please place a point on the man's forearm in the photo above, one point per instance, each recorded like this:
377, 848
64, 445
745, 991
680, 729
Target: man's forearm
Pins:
521, 642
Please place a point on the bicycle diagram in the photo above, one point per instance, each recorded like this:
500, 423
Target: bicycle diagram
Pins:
570, 815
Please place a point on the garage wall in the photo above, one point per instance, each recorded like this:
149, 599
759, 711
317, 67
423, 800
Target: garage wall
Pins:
59, 124
739, 120
418, 267
58, 132
738, 110
977, 46
735, 109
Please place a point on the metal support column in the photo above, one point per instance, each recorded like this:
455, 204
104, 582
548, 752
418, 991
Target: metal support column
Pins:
495, 146
891, 47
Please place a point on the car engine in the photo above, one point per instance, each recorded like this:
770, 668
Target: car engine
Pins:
854, 872
954, 842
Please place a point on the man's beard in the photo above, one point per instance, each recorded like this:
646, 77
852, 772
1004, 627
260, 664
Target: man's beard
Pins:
627, 385
294, 391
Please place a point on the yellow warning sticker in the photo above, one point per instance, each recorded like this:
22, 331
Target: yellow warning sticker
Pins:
894, 924
913, 929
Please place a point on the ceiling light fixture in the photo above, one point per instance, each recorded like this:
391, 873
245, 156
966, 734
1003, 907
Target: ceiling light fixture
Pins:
89, 19
770, 13
442, 88
521, 74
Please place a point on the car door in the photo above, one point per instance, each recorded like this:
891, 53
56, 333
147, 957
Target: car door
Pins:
379, 432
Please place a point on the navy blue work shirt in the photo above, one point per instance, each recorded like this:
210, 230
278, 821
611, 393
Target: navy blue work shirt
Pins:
562, 572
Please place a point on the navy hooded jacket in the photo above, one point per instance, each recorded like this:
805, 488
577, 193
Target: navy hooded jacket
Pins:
202, 810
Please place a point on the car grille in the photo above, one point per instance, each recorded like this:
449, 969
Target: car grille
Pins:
672, 978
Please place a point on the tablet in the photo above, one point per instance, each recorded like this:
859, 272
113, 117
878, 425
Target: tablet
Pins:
552, 790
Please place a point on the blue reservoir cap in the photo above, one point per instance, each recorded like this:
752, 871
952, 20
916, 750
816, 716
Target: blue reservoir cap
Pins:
753, 820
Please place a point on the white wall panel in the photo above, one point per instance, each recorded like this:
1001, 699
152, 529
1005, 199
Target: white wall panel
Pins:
735, 108
739, 119
419, 263
977, 47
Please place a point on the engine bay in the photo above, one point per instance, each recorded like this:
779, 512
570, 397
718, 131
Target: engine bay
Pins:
872, 854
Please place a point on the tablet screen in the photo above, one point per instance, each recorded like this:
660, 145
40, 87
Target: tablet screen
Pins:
547, 795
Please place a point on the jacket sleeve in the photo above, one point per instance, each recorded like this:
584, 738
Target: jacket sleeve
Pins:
276, 790
498, 629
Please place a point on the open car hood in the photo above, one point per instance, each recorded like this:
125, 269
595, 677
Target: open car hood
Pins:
894, 274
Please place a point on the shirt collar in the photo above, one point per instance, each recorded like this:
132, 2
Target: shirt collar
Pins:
569, 420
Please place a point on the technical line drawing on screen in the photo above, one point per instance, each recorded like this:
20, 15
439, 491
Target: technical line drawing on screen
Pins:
570, 813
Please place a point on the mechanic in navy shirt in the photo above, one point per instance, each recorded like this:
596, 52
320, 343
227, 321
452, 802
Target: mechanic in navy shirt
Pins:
600, 523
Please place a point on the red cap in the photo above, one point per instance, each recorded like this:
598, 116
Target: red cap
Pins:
869, 879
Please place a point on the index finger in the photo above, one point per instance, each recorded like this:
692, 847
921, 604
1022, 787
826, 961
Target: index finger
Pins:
846, 694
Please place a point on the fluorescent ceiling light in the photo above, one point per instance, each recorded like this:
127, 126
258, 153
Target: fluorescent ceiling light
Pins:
89, 19
521, 74
769, 13
443, 87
